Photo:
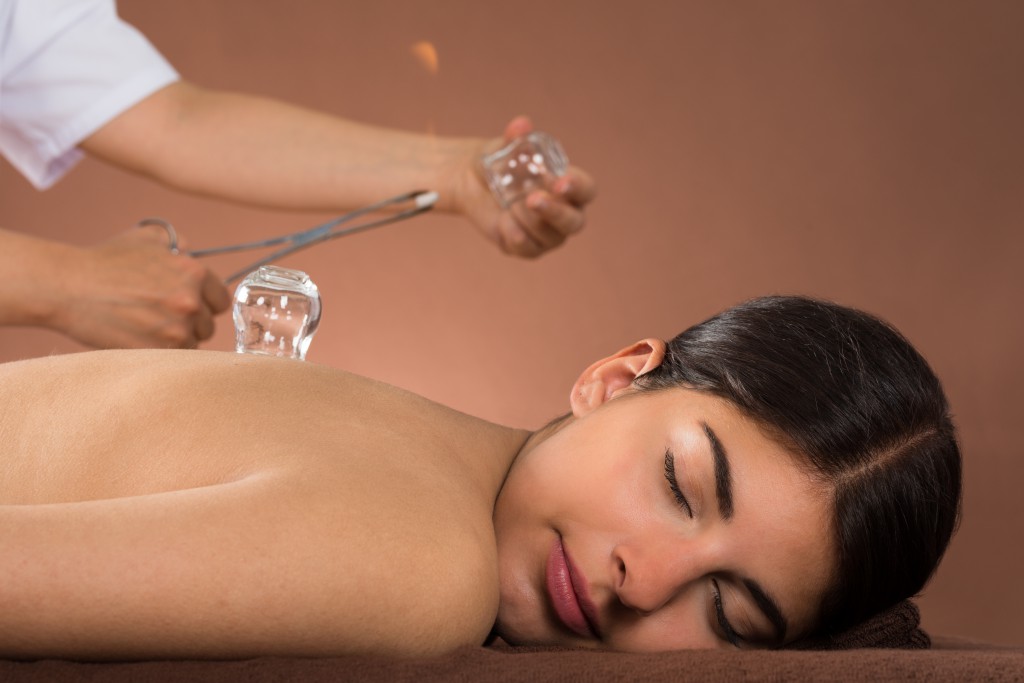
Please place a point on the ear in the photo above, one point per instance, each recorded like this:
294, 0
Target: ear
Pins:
614, 375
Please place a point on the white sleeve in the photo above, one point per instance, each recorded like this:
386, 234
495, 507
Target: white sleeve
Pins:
67, 67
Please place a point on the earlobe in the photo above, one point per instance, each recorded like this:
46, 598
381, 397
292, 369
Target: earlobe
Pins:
614, 375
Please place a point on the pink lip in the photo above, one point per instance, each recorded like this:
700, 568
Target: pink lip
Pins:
567, 588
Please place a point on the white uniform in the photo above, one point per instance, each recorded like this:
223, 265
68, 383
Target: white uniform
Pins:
66, 68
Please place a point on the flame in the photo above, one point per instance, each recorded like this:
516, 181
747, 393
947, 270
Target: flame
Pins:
426, 53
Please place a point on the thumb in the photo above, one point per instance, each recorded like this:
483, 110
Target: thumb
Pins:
518, 127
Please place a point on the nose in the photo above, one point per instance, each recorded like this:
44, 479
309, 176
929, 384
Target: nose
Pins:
652, 570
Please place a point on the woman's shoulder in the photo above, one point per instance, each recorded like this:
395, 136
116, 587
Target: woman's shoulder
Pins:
403, 564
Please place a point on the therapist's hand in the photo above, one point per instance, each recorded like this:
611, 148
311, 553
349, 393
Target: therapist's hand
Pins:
530, 227
131, 292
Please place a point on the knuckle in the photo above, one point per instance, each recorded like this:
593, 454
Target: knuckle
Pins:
185, 303
176, 335
575, 225
528, 248
518, 242
220, 298
193, 271
205, 329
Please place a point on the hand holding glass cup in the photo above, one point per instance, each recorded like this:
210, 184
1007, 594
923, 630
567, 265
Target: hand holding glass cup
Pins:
533, 161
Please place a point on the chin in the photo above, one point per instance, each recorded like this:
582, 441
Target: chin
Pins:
510, 634
519, 631
523, 634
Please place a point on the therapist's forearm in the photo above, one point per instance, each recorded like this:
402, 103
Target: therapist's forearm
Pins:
31, 268
264, 152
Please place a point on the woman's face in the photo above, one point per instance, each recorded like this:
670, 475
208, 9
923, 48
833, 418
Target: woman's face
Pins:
660, 521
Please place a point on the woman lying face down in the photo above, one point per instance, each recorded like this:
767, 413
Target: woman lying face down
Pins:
785, 469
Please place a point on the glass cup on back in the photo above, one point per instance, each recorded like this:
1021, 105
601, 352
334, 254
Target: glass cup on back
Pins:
276, 312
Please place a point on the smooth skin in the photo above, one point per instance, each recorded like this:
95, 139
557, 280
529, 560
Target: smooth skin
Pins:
173, 504
227, 505
262, 152
656, 562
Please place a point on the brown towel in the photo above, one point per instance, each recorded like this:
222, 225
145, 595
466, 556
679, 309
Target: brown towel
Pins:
898, 627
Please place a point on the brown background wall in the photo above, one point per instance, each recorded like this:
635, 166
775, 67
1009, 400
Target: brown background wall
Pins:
869, 152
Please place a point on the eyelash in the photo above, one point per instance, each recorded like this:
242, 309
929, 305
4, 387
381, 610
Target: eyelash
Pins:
723, 623
673, 484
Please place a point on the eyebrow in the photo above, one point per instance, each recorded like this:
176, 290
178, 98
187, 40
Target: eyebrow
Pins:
769, 607
723, 492
723, 475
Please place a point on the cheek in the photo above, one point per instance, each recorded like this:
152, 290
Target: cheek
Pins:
562, 470
682, 627
597, 482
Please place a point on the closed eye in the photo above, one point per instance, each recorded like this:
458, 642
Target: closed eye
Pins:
723, 623
673, 484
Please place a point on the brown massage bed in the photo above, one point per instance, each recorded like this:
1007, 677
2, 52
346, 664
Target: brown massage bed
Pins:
890, 648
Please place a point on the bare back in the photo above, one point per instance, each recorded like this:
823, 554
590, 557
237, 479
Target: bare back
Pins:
169, 503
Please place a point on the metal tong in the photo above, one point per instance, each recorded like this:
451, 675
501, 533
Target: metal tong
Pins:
421, 201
